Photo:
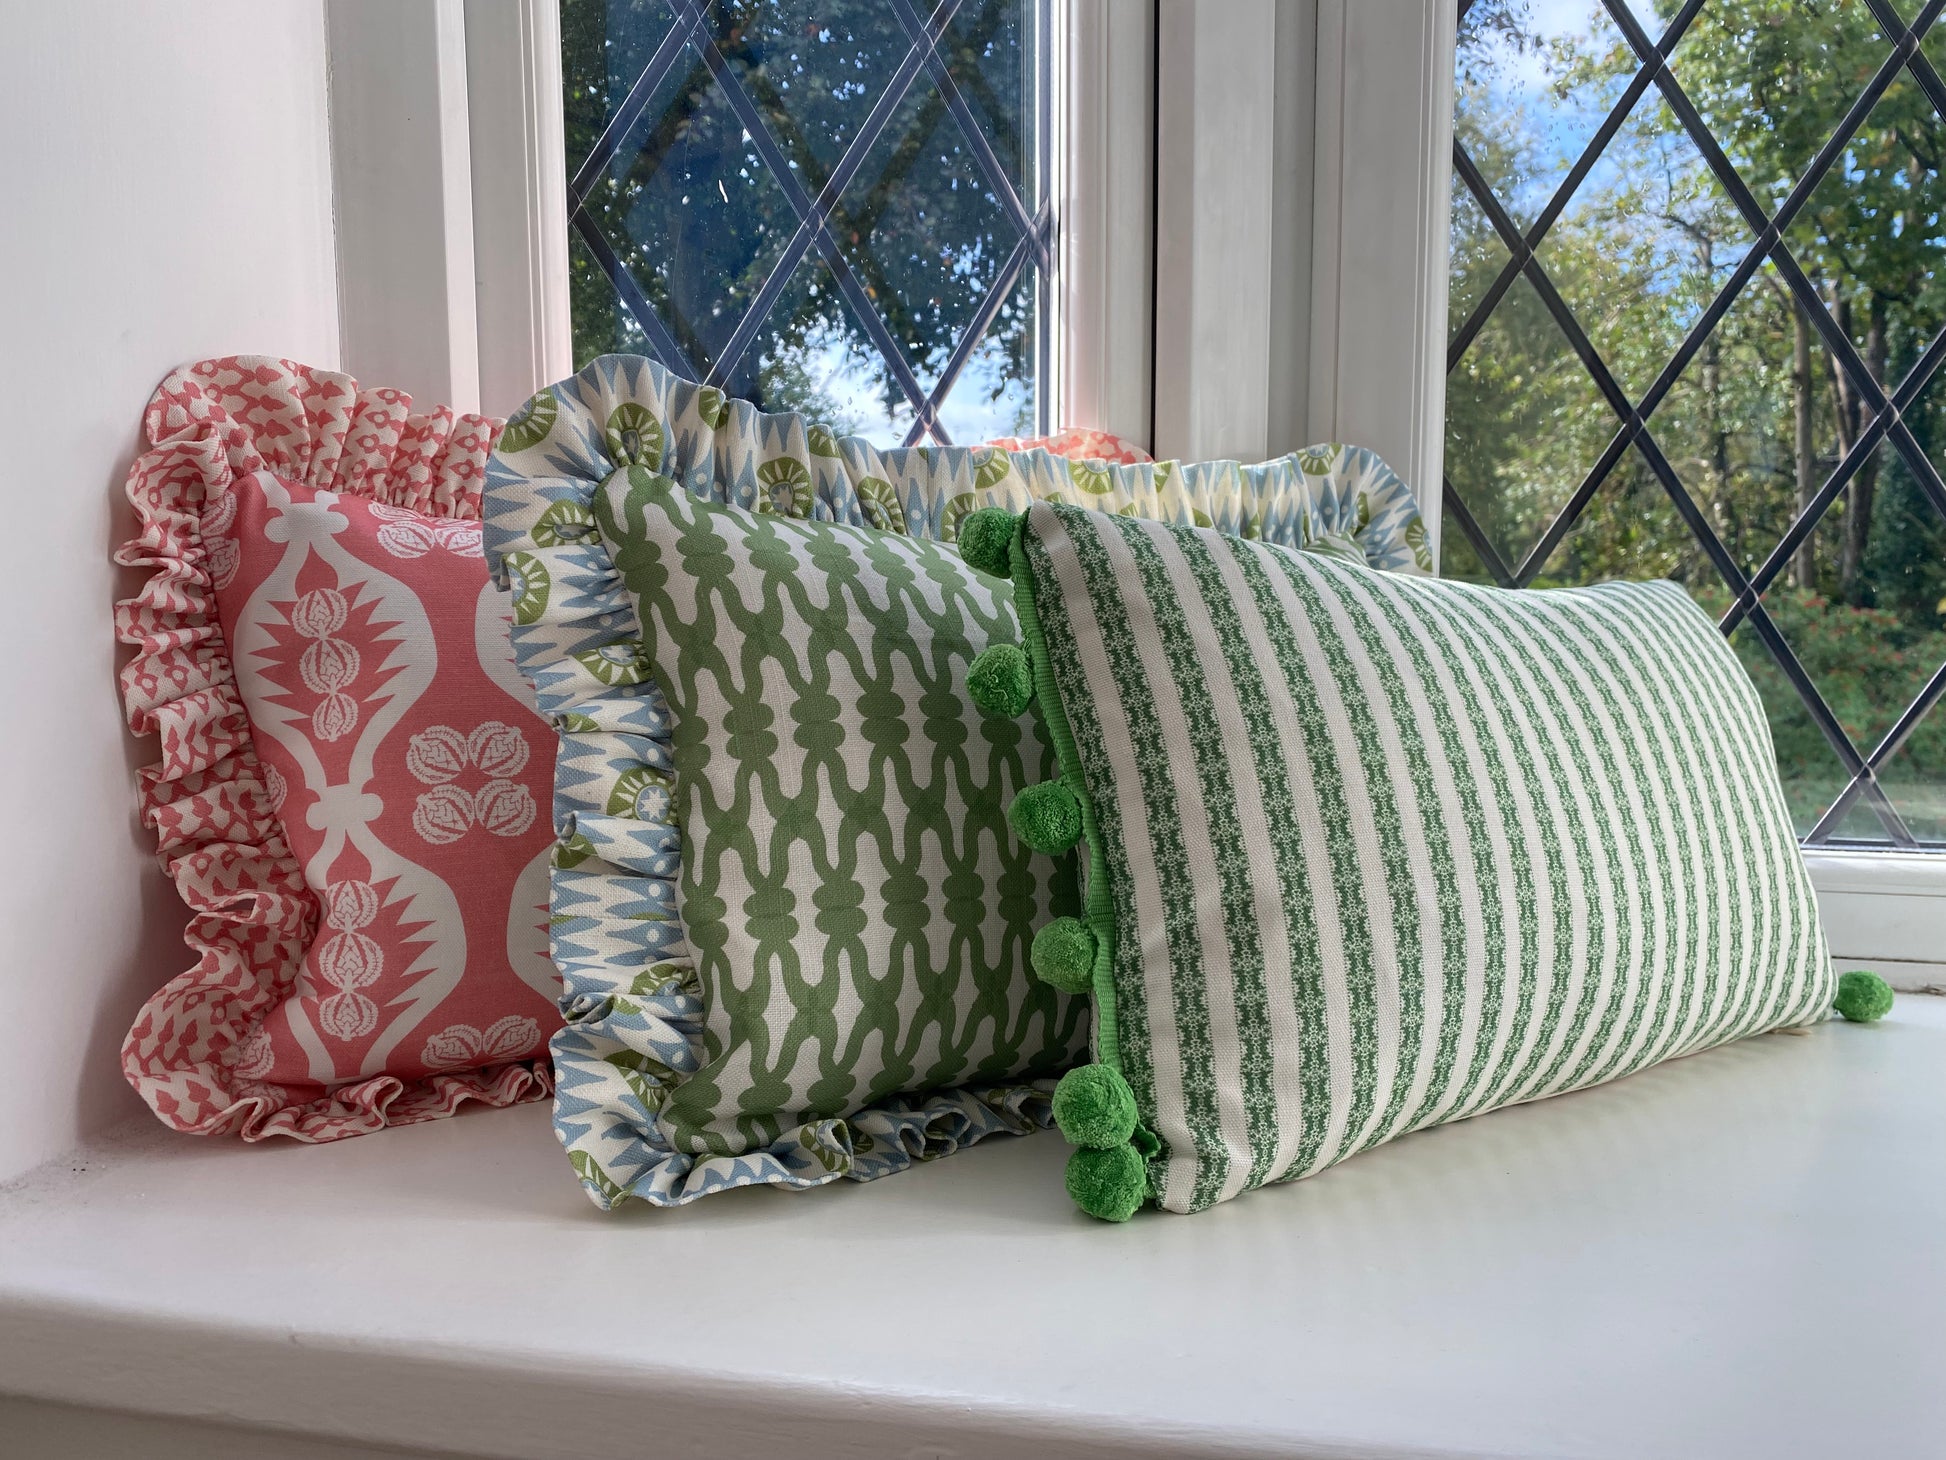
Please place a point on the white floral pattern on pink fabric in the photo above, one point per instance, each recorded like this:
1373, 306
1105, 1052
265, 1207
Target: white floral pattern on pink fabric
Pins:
341, 652
411, 535
1078, 443
349, 960
462, 1044
440, 755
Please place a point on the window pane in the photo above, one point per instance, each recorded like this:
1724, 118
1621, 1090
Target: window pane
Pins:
828, 220
1758, 376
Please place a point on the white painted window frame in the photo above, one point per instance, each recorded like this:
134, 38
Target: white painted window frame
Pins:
452, 202
451, 197
1254, 203
1104, 192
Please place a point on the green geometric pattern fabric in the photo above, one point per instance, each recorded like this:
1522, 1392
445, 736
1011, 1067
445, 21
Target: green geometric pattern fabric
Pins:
631, 996
857, 914
1368, 853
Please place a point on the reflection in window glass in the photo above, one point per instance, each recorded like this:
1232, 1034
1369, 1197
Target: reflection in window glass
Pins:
1756, 392
816, 216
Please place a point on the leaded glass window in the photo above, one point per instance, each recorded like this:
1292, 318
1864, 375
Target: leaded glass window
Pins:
1697, 315
833, 206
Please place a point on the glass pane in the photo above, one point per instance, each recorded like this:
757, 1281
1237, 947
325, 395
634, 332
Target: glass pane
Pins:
815, 358
1478, 257
814, 69
1864, 605
1644, 246
693, 214
923, 232
1458, 558
1729, 427
1812, 774
1630, 530
703, 225
602, 326
990, 54
604, 47
1765, 410
1523, 423
991, 398
1915, 779
1534, 82
1773, 80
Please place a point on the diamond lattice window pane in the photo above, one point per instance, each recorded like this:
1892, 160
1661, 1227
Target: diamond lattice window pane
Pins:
1727, 426
1519, 383
1812, 775
1765, 461
834, 206
1478, 258
1631, 520
1644, 245
815, 69
1534, 84
989, 51
1772, 80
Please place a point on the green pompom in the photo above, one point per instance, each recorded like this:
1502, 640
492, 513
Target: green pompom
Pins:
984, 537
1109, 1184
1863, 997
1001, 680
1046, 817
1095, 1108
1063, 954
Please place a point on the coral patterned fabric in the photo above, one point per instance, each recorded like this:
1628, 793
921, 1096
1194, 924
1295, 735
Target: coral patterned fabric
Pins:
1079, 443
353, 790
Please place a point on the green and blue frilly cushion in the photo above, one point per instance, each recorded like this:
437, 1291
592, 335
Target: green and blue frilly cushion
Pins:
630, 996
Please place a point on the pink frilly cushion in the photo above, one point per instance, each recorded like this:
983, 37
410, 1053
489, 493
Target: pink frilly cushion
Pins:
354, 785
1080, 444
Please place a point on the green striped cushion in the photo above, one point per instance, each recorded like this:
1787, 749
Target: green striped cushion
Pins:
1368, 853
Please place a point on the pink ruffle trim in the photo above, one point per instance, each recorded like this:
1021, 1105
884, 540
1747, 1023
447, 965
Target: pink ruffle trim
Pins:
252, 917
1080, 444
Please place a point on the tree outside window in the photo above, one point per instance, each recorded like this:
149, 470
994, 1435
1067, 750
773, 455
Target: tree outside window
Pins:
1759, 396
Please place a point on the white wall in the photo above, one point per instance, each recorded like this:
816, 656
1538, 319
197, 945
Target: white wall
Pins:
167, 197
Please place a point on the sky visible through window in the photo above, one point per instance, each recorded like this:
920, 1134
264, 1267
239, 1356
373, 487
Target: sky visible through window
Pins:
920, 172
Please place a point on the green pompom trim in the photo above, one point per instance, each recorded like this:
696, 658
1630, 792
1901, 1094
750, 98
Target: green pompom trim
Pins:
1863, 997
1095, 1108
983, 539
1001, 680
1109, 1184
1047, 817
1063, 954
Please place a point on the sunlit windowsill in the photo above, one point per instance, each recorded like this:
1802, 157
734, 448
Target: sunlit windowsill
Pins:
1884, 910
1736, 1254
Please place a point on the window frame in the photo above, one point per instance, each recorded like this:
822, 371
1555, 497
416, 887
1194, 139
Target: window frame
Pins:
1885, 909
1104, 191
1328, 168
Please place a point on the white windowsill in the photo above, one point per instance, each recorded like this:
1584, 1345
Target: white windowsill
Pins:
1885, 911
1733, 1255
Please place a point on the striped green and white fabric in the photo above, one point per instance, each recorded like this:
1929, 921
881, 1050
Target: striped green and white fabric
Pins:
637, 992
1368, 853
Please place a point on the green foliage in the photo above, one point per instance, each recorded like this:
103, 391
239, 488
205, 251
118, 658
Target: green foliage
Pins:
1647, 242
1868, 663
700, 221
